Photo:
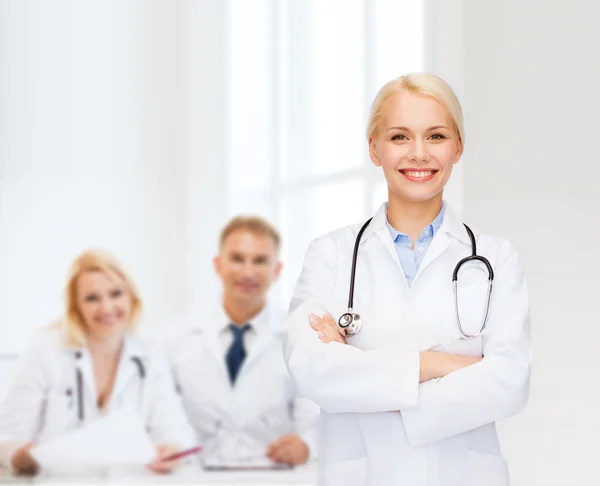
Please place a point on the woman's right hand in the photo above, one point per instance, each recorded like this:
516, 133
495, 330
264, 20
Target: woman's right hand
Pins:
160, 465
456, 362
327, 328
437, 365
22, 461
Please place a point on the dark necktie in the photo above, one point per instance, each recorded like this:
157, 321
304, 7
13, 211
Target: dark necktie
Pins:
236, 354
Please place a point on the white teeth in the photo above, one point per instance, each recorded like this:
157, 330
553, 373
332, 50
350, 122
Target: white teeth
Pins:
422, 173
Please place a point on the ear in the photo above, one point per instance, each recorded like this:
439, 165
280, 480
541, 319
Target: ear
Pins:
217, 265
278, 268
373, 152
459, 151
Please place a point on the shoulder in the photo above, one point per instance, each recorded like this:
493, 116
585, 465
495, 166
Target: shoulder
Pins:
494, 242
151, 352
180, 333
46, 350
339, 240
49, 339
182, 329
499, 250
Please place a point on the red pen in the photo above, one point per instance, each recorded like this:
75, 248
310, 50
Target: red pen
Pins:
179, 455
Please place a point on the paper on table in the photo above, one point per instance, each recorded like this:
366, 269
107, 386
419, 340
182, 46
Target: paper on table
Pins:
119, 438
250, 463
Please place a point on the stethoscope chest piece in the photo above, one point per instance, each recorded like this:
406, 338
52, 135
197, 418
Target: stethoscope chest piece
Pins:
349, 324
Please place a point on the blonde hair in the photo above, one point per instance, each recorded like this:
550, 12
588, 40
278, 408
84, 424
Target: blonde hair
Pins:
423, 84
255, 224
94, 261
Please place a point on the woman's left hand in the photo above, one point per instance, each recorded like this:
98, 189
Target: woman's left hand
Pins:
327, 328
159, 465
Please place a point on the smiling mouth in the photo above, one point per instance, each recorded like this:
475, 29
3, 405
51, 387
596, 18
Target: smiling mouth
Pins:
109, 320
247, 285
418, 175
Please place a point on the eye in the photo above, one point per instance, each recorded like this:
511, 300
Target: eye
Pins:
437, 136
399, 136
261, 260
91, 298
116, 293
237, 258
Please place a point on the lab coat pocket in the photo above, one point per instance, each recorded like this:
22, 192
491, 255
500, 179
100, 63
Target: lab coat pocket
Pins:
207, 421
60, 415
352, 472
472, 305
486, 469
273, 423
471, 311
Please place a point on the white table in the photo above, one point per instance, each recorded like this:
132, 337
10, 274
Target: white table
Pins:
302, 477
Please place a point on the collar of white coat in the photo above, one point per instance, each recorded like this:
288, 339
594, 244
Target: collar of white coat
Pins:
258, 324
132, 347
266, 321
451, 225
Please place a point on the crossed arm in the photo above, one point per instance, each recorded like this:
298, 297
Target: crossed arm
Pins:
439, 395
432, 364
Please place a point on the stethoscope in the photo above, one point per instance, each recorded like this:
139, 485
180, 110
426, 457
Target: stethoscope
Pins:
79, 383
351, 323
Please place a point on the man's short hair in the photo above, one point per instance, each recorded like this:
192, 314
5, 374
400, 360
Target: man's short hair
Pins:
255, 224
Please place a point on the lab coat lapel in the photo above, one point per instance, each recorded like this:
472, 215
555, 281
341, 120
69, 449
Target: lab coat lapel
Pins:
439, 245
83, 363
207, 335
450, 229
379, 227
211, 345
128, 370
266, 336
211, 355
252, 374
264, 342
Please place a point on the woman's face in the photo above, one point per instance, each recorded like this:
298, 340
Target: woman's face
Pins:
105, 304
416, 145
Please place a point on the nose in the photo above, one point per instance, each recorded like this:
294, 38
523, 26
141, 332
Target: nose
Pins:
418, 153
105, 306
248, 270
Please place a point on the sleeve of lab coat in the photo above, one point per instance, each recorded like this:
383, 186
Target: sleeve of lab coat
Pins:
23, 405
167, 420
306, 424
496, 387
341, 378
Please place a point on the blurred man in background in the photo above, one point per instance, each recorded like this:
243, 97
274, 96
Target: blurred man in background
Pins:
228, 364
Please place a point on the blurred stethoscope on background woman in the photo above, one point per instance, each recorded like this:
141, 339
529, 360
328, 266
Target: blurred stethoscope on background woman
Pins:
79, 383
351, 323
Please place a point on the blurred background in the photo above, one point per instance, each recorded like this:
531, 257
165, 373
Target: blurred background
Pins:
141, 126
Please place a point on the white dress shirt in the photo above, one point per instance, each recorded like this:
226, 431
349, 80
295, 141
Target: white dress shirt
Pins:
258, 324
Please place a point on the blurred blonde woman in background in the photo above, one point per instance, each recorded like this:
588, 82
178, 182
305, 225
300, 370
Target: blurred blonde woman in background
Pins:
88, 364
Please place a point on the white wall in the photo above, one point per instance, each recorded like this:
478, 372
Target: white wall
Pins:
98, 148
531, 77
204, 150
89, 153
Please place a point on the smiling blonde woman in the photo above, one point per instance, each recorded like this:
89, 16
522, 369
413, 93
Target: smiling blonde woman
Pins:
87, 365
410, 380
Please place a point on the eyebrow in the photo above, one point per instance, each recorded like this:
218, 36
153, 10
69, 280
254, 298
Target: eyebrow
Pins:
437, 127
253, 257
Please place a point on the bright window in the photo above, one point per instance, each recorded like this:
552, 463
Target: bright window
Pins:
315, 69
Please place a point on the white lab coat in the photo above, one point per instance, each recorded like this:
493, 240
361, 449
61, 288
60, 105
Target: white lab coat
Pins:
42, 402
444, 434
236, 424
